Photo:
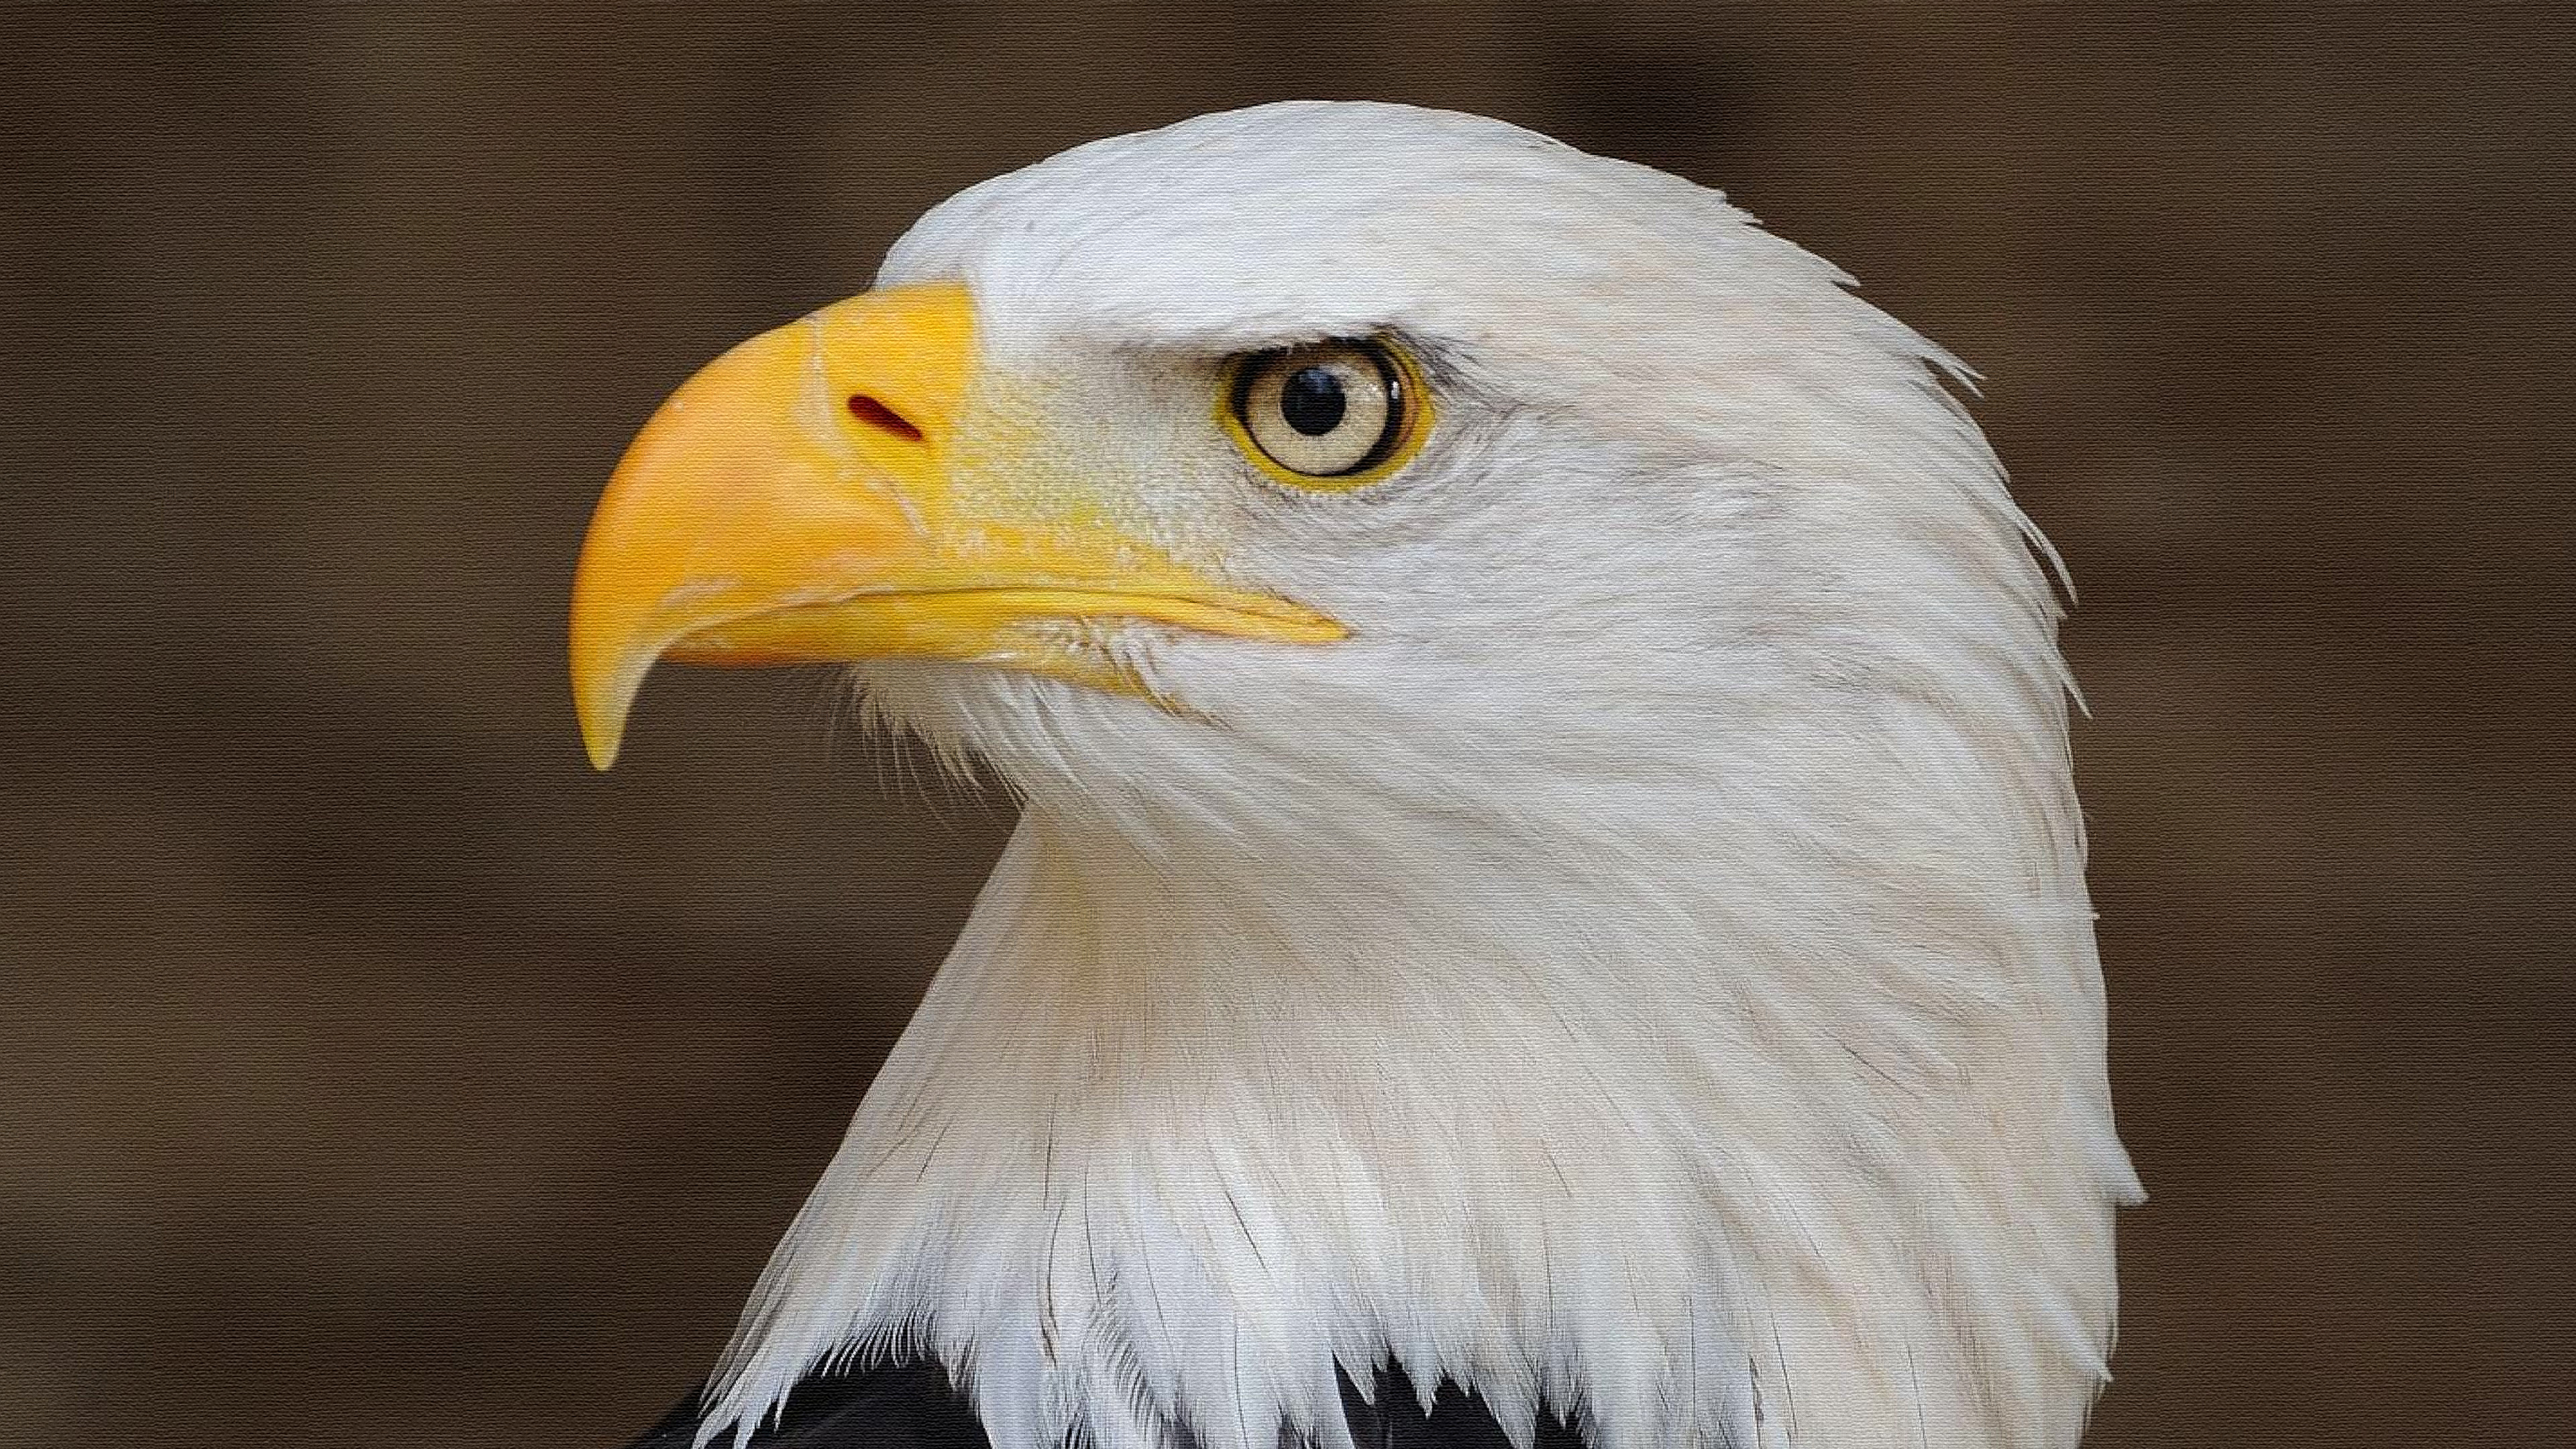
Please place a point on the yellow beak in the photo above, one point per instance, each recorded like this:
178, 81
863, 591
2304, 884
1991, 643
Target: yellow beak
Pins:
795, 502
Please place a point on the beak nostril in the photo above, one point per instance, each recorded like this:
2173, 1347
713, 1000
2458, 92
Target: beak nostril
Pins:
877, 415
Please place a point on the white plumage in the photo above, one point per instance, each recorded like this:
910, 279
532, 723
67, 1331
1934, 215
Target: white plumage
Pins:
1646, 966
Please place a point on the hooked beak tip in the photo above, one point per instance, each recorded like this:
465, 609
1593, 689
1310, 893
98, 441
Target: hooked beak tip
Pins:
602, 702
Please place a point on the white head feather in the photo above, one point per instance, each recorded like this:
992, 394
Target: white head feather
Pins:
1647, 967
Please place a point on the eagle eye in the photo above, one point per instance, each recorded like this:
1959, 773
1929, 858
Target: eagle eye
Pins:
1327, 414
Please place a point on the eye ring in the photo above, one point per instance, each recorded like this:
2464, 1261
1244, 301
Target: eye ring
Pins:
1331, 415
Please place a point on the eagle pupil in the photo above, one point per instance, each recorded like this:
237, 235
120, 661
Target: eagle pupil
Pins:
1311, 401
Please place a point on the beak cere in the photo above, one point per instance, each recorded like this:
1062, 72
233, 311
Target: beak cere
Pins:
794, 502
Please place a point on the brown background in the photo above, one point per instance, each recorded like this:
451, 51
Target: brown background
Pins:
371, 1073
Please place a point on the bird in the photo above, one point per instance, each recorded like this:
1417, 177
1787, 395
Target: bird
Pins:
1547, 906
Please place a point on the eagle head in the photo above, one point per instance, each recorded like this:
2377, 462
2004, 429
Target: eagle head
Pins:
1548, 853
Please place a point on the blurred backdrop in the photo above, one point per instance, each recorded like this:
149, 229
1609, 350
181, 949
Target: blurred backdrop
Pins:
372, 1073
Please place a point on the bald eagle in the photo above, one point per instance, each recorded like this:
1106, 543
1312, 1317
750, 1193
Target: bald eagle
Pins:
1548, 905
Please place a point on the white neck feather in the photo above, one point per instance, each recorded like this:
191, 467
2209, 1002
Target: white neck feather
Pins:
1721, 1141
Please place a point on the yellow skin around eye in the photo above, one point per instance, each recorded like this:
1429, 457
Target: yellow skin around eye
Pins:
1413, 425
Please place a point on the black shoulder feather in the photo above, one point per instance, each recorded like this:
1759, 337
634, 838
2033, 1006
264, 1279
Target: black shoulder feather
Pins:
914, 1406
